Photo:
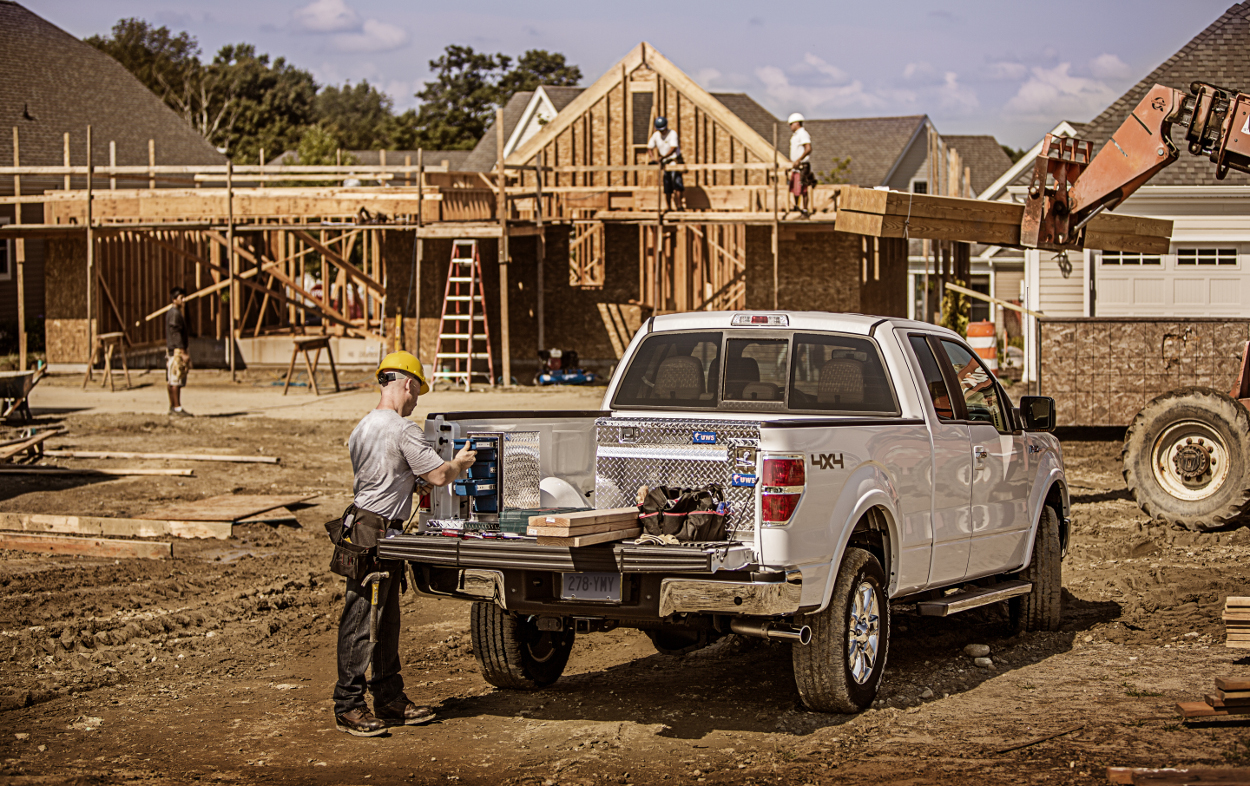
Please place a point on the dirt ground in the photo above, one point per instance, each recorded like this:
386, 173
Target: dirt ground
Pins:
217, 666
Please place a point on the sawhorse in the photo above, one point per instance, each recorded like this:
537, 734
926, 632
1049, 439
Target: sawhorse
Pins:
306, 345
108, 344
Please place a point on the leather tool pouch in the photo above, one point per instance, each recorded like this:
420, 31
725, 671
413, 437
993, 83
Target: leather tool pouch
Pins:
355, 537
704, 522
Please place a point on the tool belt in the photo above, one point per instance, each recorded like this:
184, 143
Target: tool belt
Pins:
355, 536
690, 515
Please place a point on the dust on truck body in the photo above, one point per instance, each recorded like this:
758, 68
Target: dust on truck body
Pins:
864, 461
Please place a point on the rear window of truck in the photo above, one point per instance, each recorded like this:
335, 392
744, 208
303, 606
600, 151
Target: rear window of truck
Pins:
824, 373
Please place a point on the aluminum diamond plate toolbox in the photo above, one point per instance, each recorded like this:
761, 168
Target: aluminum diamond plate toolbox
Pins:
633, 452
521, 470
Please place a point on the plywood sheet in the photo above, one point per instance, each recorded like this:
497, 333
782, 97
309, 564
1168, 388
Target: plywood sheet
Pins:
227, 507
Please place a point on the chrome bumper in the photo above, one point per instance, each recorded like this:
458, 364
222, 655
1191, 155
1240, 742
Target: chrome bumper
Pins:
756, 598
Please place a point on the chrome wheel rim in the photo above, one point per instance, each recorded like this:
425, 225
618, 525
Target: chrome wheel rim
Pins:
863, 633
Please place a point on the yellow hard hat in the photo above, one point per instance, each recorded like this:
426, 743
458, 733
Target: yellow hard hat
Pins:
408, 362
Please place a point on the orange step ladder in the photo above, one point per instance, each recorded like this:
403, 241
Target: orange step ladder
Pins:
463, 331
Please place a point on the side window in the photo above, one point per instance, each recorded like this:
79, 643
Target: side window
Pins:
933, 379
978, 388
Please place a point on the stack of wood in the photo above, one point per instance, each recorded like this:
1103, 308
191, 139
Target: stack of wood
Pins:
867, 211
1178, 777
1237, 622
1231, 697
585, 527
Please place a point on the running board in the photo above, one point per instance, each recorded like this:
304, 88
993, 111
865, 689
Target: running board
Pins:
963, 601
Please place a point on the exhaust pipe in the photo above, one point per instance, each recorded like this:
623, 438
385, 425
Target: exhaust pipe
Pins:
763, 629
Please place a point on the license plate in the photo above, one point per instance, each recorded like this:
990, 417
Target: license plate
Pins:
591, 586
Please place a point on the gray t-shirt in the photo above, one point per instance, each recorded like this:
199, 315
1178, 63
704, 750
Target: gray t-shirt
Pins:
388, 453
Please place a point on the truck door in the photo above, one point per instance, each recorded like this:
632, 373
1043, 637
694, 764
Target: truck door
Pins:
1000, 477
950, 471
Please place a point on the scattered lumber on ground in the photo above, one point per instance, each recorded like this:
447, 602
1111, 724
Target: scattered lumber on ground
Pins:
33, 445
110, 454
225, 507
115, 527
868, 211
1179, 777
275, 516
1237, 622
85, 547
1231, 697
585, 527
36, 469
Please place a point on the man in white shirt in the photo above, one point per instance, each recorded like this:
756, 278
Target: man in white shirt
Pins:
801, 171
663, 148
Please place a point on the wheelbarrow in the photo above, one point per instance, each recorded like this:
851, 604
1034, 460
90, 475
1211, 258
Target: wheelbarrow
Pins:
15, 387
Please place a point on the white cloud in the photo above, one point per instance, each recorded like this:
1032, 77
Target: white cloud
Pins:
1054, 93
918, 72
1007, 71
707, 77
326, 16
374, 36
819, 70
782, 92
1110, 67
954, 97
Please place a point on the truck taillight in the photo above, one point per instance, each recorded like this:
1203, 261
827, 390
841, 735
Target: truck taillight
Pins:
424, 505
784, 472
782, 484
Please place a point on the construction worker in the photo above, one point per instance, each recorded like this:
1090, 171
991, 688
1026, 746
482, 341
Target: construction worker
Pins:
801, 165
388, 454
663, 148
177, 358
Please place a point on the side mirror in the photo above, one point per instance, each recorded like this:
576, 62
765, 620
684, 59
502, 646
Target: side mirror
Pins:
1038, 413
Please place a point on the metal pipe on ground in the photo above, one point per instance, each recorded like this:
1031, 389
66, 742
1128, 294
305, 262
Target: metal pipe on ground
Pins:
763, 629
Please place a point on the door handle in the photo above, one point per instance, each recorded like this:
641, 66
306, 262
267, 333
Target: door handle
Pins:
980, 453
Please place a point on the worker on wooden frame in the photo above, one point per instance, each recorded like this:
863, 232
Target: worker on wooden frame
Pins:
801, 177
664, 149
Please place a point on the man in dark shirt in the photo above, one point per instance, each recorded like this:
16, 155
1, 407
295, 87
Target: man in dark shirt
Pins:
177, 359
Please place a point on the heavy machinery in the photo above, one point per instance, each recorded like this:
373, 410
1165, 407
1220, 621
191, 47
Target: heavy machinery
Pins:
1186, 455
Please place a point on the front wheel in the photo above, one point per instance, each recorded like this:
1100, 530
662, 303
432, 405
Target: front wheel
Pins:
512, 652
840, 670
1040, 609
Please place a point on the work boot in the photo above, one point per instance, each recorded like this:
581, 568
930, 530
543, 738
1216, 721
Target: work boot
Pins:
179, 412
403, 712
359, 723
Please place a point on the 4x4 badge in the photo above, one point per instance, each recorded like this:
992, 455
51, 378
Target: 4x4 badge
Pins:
827, 461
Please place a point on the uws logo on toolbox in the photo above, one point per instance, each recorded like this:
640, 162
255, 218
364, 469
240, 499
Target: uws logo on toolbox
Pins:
703, 437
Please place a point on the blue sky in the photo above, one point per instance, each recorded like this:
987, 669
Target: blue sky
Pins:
1008, 68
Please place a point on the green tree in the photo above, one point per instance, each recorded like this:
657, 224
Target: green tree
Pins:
1013, 153
361, 117
536, 67
271, 104
838, 173
458, 105
161, 60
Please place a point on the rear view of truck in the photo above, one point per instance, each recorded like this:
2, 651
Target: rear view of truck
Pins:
842, 453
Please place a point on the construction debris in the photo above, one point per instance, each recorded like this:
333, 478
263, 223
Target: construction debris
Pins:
1177, 777
93, 454
1237, 622
45, 470
1231, 697
116, 527
85, 547
32, 445
226, 507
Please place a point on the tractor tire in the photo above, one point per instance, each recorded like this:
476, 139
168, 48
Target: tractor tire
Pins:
512, 652
1041, 609
1186, 457
840, 669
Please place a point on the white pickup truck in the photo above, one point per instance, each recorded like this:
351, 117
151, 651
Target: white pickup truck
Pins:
864, 461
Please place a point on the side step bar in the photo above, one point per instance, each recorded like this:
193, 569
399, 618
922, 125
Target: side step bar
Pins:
963, 601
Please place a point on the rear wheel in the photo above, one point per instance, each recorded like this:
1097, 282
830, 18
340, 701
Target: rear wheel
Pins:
1186, 457
1041, 608
840, 670
512, 652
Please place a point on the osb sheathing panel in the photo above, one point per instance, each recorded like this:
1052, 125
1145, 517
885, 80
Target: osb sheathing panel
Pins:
65, 272
66, 340
1101, 372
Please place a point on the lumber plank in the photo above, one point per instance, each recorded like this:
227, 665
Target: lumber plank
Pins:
590, 529
1097, 238
1231, 684
1170, 775
585, 518
1220, 702
9, 452
1198, 709
590, 540
224, 507
42, 470
111, 454
1238, 645
86, 547
932, 228
114, 527
1233, 602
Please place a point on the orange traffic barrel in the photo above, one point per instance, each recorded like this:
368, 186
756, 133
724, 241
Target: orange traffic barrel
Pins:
982, 340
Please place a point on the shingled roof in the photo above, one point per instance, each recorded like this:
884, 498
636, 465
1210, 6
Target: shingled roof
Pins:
486, 154
757, 117
51, 83
1216, 55
873, 144
983, 155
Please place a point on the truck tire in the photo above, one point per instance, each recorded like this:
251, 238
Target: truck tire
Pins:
840, 669
512, 652
1185, 458
1041, 608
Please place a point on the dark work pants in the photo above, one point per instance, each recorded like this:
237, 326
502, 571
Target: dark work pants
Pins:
356, 653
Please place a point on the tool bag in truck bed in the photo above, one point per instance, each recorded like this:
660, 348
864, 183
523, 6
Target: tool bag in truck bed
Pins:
696, 515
